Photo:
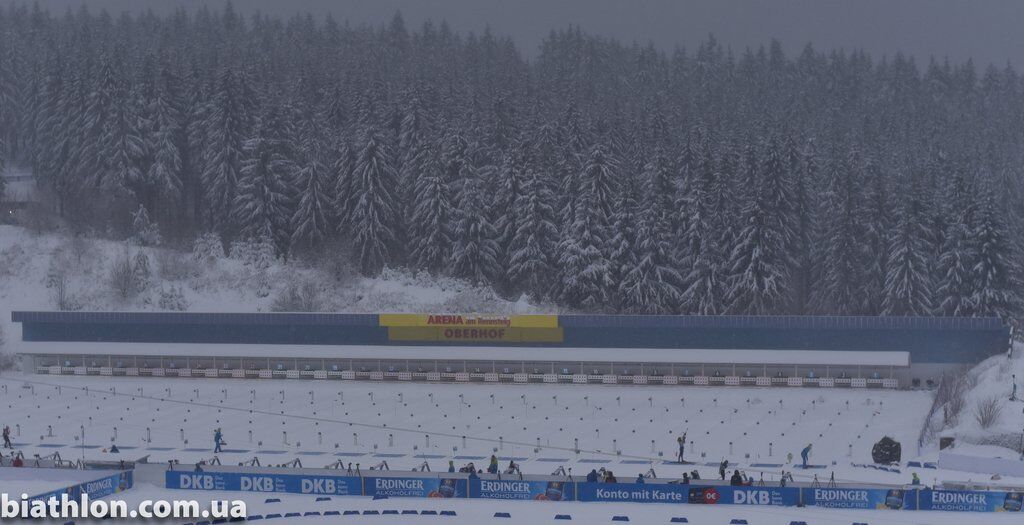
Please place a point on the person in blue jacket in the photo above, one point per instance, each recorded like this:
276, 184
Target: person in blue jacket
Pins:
805, 454
640, 479
592, 477
218, 440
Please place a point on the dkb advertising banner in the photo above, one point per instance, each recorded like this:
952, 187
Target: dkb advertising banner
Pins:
521, 490
95, 489
416, 487
690, 494
250, 482
971, 501
840, 498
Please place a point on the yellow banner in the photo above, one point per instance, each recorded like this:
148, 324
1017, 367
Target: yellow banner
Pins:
475, 334
469, 320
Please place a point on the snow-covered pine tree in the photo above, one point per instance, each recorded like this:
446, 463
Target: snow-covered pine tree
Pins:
310, 222
758, 262
503, 213
165, 136
583, 279
91, 154
430, 234
145, 232
803, 165
475, 246
955, 291
877, 227
652, 285
621, 246
598, 187
262, 206
907, 282
374, 218
532, 247
226, 128
996, 277
841, 291
123, 147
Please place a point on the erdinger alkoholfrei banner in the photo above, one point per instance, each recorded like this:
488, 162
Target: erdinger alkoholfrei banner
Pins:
415, 487
99, 488
251, 482
971, 501
843, 498
522, 490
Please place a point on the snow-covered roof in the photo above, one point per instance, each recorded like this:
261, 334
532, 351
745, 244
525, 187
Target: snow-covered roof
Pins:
480, 353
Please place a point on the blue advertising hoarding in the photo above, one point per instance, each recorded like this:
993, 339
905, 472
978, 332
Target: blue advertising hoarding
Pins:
522, 490
688, 494
971, 501
426, 487
265, 482
99, 488
397, 487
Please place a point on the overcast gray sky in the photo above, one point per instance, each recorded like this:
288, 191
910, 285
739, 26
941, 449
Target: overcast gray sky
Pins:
985, 30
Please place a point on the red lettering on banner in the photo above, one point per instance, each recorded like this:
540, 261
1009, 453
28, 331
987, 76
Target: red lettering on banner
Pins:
445, 319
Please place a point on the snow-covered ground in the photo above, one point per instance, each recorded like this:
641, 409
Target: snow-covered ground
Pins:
482, 511
625, 429
35, 481
991, 382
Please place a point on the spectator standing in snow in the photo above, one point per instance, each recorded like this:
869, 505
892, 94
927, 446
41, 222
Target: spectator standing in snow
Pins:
686, 478
1013, 393
218, 440
7, 437
722, 467
915, 479
492, 467
682, 446
451, 466
592, 476
805, 454
736, 480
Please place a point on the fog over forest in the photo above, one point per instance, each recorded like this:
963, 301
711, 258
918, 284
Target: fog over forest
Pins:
598, 174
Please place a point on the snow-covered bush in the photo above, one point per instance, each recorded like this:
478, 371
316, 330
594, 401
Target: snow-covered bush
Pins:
173, 265
298, 298
988, 411
141, 271
122, 278
208, 248
256, 253
12, 259
172, 299
474, 299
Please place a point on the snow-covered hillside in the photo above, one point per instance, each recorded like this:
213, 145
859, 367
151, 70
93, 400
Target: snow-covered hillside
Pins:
979, 413
45, 271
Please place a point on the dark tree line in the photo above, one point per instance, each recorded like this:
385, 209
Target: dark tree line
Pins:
597, 175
